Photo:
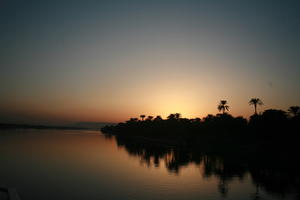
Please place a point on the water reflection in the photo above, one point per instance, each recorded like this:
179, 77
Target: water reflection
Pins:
86, 165
274, 176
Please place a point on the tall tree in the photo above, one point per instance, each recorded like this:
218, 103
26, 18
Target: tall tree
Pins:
255, 102
294, 110
223, 106
142, 116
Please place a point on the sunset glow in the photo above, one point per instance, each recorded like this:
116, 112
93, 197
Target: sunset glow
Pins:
111, 61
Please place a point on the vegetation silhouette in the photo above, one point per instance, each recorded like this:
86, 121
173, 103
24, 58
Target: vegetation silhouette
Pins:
142, 116
269, 172
255, 102
261, 129
265, 146
223, 106
294, 111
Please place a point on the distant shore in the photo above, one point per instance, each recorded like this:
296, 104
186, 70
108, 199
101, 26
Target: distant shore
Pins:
215, 133
27, 126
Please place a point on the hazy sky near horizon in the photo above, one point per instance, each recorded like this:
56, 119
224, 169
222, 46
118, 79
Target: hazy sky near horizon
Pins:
64, 61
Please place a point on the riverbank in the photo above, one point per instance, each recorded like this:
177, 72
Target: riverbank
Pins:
26, 126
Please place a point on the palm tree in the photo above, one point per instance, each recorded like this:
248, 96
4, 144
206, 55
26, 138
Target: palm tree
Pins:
294, 110
142, 116
223, 106
255, 102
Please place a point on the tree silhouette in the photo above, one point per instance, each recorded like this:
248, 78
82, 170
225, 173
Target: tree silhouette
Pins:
175, 116
196, 120
171, 117
255, 102
294, 110
223, 106
142, 116
149, 118
133, 119
158, 118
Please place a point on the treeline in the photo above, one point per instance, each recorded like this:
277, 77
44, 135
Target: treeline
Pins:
270, 127
176, 127
26, 126
266, 146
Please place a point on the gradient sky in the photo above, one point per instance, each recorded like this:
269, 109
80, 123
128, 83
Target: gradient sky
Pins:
68, 61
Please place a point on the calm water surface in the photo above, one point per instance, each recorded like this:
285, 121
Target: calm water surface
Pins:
55, 164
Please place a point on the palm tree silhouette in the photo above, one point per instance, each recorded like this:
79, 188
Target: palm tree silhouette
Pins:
255, 102
223, 106
294, 110
142, 116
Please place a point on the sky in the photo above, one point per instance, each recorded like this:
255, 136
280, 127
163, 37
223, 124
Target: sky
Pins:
106, 61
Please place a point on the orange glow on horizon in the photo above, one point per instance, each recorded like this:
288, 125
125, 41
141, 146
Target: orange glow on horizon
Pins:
163, 103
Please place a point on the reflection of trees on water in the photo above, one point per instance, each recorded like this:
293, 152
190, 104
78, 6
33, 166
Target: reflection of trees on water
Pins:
276, 181
150, 155
270, 175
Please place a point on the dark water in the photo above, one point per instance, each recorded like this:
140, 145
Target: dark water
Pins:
87, 165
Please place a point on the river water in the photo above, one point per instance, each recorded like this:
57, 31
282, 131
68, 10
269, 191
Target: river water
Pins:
60, 164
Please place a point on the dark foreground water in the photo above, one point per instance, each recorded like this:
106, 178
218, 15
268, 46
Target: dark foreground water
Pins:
74, 165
